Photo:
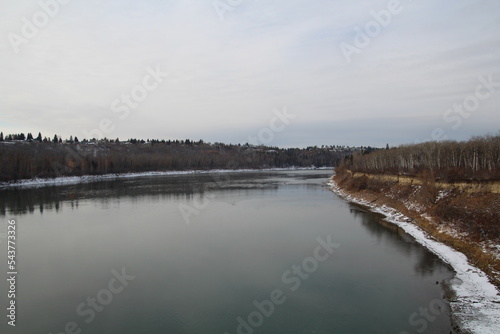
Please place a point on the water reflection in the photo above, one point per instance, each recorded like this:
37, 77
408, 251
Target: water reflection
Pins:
426, 263
26, 200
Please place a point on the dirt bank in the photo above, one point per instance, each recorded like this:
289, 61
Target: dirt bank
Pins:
464, 216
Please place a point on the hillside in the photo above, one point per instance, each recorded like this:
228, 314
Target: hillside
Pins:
451, 190
26, 159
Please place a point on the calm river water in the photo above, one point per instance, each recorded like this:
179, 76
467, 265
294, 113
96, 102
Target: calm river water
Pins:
242, 252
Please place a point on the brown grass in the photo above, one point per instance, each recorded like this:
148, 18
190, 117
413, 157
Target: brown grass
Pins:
469, 187
471, 210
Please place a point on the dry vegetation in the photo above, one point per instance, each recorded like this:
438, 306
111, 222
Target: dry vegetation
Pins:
475, 160
33, 159
458, 205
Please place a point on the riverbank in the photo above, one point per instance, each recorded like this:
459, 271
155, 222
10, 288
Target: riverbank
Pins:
474, 301
33, 159
66, 180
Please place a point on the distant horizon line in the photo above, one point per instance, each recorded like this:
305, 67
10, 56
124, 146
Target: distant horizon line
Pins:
22, 137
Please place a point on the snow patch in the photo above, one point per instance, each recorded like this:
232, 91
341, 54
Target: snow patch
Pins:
442, 194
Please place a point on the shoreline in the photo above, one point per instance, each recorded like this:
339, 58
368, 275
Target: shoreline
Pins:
475, 306
67, 180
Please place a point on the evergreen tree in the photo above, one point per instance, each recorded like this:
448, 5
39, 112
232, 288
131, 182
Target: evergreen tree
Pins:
30, 136
39, 138
55, 140
76, 139
1, 136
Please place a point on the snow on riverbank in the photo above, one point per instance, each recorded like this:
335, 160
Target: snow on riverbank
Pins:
67, 180
476, 306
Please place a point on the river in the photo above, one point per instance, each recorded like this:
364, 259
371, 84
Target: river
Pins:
240, 252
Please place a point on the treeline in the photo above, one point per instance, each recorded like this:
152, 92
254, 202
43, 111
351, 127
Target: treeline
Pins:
475, 160
24, 159
29, 137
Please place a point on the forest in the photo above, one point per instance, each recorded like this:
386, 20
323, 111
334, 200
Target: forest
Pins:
477, 159
25, 156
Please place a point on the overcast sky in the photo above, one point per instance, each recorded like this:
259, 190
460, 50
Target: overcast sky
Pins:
224, 69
